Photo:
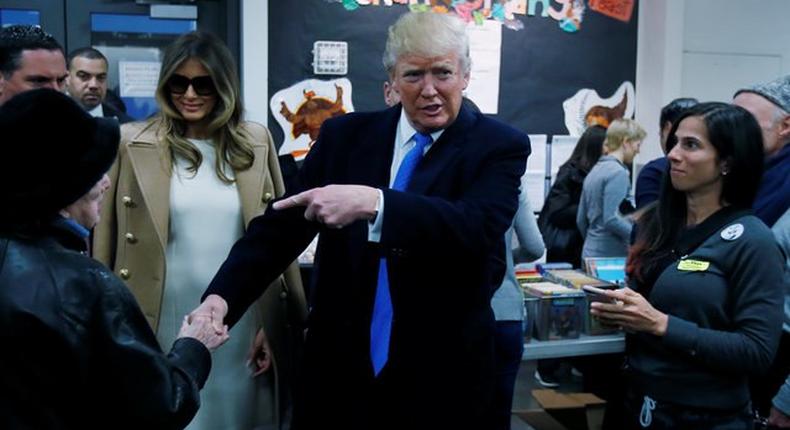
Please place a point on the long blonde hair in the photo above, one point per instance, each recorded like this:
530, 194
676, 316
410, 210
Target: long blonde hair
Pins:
232, 142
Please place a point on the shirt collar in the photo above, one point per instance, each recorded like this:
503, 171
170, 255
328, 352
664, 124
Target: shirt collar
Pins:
97, 112
406, 131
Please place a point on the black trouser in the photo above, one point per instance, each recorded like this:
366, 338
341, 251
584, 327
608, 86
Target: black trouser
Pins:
641, 412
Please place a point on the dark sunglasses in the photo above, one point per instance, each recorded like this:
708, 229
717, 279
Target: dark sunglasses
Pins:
203, 85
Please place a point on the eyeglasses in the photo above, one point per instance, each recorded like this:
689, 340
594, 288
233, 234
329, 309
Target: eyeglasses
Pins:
203, 85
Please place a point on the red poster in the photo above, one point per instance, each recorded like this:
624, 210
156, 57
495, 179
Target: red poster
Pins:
617, 9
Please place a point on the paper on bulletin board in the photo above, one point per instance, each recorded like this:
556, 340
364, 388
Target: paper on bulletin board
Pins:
485, 48
138, 78
561, 150
535, 177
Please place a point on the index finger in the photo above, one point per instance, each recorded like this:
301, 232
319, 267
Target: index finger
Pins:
293, 201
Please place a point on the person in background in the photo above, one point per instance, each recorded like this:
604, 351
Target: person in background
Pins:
606, 232
770, 105
706, 281
187, 182
77, 351
508, 306
412, 204
30, 58
779, 415
557, 220
87, 84
649, 179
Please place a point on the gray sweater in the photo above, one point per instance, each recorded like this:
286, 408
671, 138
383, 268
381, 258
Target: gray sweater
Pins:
508, 300
606, 232
723, 301
781, 230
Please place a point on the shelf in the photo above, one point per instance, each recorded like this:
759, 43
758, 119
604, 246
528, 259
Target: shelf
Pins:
584, 345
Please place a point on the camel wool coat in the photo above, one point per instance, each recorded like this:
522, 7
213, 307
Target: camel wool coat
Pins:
131, 238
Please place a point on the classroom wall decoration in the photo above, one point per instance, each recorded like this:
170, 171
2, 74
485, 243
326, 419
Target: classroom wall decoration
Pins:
301, 109
587, 108
557, 59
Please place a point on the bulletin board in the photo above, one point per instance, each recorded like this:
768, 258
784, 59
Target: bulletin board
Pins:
565, 62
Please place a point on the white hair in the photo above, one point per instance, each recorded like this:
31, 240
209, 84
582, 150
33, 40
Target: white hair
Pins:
427, 34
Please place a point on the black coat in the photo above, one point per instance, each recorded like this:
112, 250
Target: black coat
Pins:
77, 352
444, 242
557, 220
111, 112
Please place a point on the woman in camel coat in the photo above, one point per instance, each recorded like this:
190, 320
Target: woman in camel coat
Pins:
185, 185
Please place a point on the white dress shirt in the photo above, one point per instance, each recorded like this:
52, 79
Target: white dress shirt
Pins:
404, 142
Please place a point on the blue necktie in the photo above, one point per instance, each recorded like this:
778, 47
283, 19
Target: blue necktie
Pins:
381, 324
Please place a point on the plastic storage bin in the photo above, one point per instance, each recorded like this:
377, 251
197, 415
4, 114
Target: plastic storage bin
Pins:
560, 311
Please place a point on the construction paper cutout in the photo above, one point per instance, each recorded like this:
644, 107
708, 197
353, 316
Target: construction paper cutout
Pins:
587, 108
517, 6
545, 5
570, 16
617, 9
301, 109
350, 4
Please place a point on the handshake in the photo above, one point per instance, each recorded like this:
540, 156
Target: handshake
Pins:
205, 323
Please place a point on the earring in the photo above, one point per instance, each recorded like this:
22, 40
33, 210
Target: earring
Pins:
724, 173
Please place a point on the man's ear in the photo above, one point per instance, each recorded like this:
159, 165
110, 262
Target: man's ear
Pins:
2, 84
784, 127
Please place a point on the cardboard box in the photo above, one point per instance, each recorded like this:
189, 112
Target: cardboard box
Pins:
565, 411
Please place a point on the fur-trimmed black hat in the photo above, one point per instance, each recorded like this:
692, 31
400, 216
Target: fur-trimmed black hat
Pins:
53, 153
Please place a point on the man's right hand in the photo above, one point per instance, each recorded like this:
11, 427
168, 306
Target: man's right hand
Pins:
215, 308
779, 419
202, 329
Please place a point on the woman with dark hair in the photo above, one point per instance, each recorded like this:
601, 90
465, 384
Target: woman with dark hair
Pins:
704, 309
77, 351
649, 180
557, 220
188, 181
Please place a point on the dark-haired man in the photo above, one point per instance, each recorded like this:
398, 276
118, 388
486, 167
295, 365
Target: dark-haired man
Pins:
30, 58
87, 84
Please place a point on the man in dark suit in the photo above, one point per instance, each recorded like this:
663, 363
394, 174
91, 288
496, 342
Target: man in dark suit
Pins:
412, 204
87, 84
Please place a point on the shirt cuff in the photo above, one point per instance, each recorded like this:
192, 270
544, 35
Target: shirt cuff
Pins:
374, 226
782, 399
682, 335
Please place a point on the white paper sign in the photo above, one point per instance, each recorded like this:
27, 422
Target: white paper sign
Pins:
138, 78
536, 171
485, 48
561, 150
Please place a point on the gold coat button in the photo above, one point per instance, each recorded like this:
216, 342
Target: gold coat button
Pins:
130, 238
125, 274
127, 201
267, 197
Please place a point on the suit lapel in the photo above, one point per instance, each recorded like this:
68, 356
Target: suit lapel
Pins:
250, 184
372, 157
442, 152
151, 167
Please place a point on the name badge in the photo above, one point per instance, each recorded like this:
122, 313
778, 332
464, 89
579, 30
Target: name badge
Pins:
693, 265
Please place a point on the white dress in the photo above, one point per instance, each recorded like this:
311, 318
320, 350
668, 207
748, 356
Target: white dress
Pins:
205, 222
